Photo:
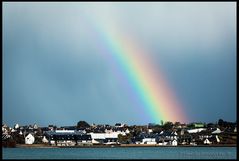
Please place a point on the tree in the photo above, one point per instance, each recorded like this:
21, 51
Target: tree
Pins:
177, 124
136, 130
19, 139
162, 122
157, 129
168, 125
9, 142
82, 124
125, 138
38, 140
220, 122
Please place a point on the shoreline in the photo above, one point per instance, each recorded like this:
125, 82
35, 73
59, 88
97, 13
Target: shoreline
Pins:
118, 146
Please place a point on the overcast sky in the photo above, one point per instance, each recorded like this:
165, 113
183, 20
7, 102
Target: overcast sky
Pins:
53, 72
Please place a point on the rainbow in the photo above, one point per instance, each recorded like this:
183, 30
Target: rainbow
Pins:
147, 84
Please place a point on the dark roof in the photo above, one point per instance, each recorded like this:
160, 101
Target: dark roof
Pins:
64, 137
69, 127
110, 140
44, 128
83, 137
68, 136
168, 133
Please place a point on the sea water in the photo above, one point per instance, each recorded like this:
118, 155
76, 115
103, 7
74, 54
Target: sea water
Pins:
121, 153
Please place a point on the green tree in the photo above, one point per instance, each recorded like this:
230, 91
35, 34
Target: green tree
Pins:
83, 124
125, 139
161, 122
136, 130
168, 125
19, 139
157, 129
177, 124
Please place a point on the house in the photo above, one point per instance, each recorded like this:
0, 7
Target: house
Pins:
13, 130
119, 125
35, 126
29, 139
64, 139
203, 137
149, 140
181, 131
44, 129
162, 142
184, 142
44, 140
103, 138
150, 130
69, 127
193, 143
217, 131
110, 141
196, 130
108, 130
174, 142
198, 125
218, 140
67, 138
168, 135
146, 138
83, 139
97, 138
127, 131
168, 138
52, 127
4, 129
206, 141
16, 126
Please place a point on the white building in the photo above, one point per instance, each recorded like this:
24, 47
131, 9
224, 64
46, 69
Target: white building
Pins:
150, 130
149, 141
64, 131
119, 125
16, 126
29, 139
207, 142
174, 143
196, 130
218, 140
106, 135
108, 131
163, 143
13, 130
127, 131
110, 136
44, 140
35, 126
217, 131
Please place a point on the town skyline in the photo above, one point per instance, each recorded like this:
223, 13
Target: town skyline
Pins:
221, 133
113, 123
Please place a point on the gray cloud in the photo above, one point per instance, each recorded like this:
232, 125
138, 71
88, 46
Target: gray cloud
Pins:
55, 73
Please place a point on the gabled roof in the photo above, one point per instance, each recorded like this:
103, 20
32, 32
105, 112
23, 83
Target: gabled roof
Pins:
167, 133
217, 131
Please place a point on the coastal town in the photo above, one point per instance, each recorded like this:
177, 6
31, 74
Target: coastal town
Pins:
221, 133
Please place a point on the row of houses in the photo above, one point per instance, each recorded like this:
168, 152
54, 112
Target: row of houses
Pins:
72, 138
106, 134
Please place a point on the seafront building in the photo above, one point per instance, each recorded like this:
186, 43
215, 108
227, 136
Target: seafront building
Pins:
160, 135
